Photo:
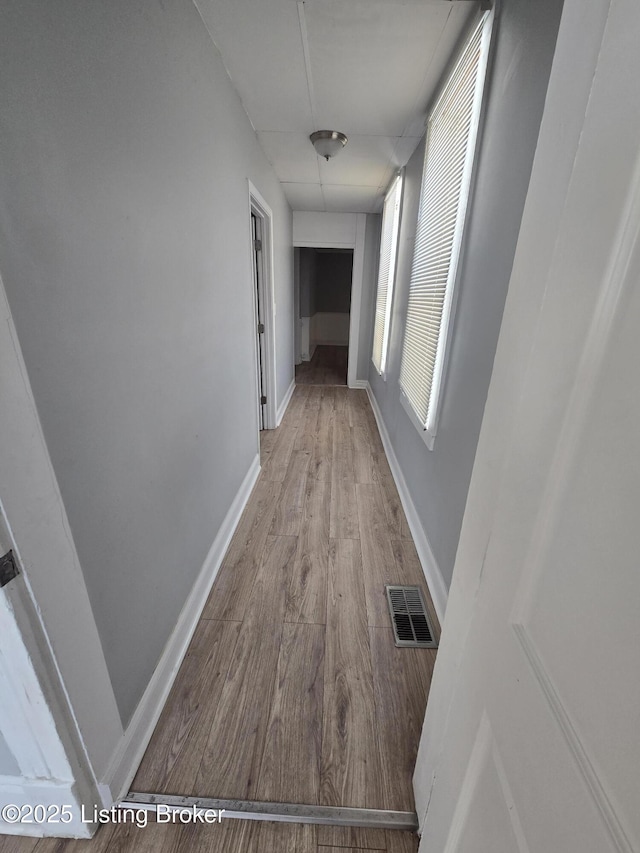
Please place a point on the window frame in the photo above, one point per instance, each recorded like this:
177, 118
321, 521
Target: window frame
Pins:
397, 182
428, 428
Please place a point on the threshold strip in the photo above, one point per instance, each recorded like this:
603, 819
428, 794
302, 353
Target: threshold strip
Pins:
285, 812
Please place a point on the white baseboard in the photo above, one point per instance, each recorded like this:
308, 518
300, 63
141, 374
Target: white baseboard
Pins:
137, 735
282, 408
432, 573
359, 383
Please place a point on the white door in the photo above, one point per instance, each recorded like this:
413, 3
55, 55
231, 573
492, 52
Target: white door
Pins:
532, 735
42, 757
36, 776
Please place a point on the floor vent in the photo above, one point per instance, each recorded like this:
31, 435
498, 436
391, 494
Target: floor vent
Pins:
411, 626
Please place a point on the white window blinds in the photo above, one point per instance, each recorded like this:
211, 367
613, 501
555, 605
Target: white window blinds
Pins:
451, 137
386, 273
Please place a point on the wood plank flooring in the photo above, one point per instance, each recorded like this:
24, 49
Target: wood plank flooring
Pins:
230, 836
292, 689
327, 367
350, 771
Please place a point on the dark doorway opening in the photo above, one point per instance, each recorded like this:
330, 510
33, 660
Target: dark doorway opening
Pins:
323, 305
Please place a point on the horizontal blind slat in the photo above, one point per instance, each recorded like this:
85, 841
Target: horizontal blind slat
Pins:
446, 168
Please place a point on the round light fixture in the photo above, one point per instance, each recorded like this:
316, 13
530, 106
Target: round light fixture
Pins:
328, 142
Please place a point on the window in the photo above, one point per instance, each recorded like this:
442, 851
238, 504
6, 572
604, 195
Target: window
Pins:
386, 273
451, 141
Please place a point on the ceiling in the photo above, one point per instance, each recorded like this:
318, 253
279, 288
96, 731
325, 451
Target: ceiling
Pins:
365, 67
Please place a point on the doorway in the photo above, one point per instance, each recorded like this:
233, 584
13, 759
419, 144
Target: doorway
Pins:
256, 236
323, 316
263, 316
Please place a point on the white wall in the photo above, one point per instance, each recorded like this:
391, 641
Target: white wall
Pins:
438, 480
124, 240
324, 229
329, 329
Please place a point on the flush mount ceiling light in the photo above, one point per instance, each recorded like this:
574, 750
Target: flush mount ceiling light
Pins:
328, 142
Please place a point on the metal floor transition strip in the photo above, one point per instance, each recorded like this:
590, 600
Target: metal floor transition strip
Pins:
286, 812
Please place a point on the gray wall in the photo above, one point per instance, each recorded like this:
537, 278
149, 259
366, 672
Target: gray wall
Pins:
438, 480
333, 282
124, 245
297, 329
8, 764
307, 282
325, 281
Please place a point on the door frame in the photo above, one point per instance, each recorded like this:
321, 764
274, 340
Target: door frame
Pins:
357, 244
58, 713
259, 207
568, 109
258, 293
37, 722
297, 322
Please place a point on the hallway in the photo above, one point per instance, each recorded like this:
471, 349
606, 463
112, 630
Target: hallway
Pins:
292, 689
193, 609
328, 366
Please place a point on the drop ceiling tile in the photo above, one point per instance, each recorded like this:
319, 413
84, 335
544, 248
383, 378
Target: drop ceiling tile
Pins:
292, 156
364, 161
349, 199
375, 65
369, 60
304, 196
261, 48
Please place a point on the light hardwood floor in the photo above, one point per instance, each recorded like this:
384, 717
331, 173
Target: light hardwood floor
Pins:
292, 689
230, 836
327, 367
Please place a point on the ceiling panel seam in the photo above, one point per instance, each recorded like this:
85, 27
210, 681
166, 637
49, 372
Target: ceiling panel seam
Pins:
307, 67
224, 65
